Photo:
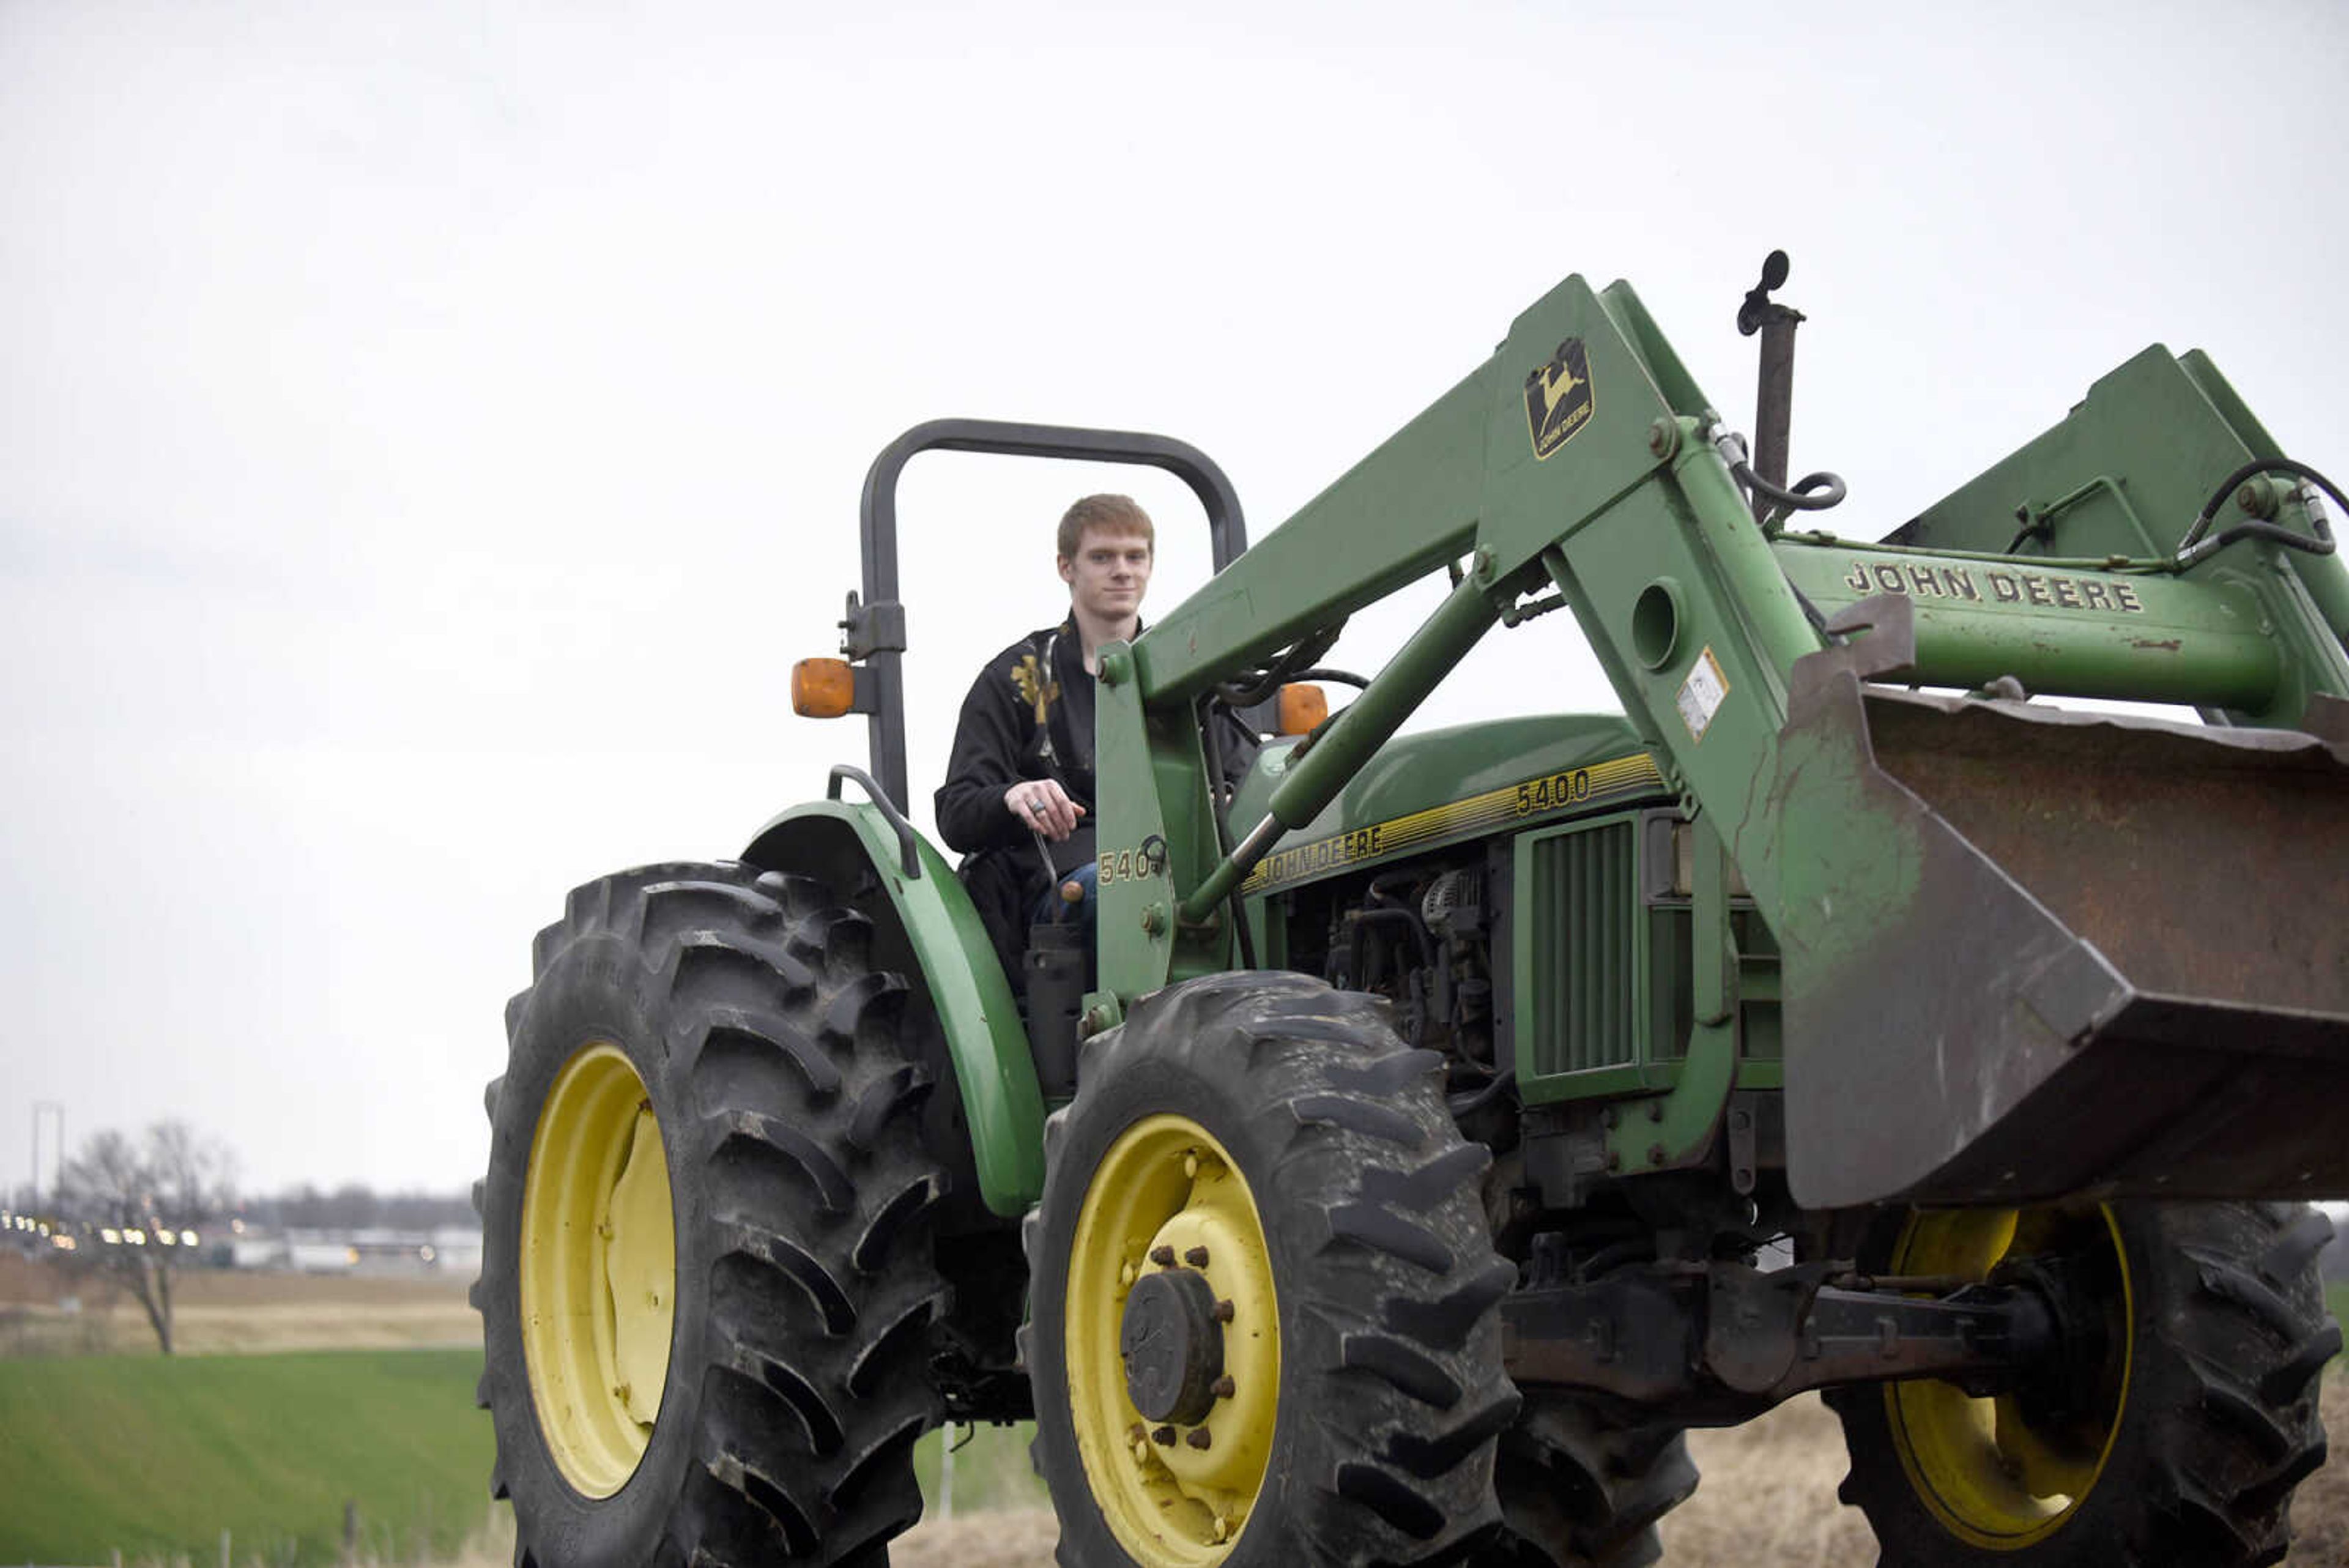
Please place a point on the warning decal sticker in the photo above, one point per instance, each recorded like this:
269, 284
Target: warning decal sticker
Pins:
1700, 694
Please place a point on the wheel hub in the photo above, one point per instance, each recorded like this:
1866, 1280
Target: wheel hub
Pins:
2006, 1471
598, 1270
1172, 1345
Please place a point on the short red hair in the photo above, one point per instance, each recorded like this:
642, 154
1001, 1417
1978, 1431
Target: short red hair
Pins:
1111, 515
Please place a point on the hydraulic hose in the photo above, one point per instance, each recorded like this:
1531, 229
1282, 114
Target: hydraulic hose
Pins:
1340, 676
2193, 548
1812, 492
1251, 687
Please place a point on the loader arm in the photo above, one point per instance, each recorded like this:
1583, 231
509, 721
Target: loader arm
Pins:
1568, 458
1582, 458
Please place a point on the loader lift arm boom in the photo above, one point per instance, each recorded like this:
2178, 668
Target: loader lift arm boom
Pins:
1581, 455
1467, 476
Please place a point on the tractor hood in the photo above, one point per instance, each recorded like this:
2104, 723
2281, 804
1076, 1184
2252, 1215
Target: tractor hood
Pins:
1435, 787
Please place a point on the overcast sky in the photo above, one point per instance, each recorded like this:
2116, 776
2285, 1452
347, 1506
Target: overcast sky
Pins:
430, 431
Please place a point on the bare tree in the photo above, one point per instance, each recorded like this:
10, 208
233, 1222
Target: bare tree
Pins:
139, 1207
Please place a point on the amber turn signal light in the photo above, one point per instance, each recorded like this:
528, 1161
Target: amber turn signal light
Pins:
1303, 706
823, 688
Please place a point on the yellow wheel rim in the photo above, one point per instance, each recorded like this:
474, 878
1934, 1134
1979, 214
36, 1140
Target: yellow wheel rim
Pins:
1994, 1478
1167, 1188
598, 1270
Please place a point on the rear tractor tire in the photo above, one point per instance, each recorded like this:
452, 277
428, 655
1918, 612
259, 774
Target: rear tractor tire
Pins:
707, 1276
1265, 1327
2191, 1418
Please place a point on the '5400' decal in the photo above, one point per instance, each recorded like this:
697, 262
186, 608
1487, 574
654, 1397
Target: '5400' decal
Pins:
1617, 779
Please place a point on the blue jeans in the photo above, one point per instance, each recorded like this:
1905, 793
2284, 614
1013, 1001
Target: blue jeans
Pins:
1051, 908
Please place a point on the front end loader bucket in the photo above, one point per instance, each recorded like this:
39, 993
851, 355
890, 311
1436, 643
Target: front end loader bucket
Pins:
2032, 952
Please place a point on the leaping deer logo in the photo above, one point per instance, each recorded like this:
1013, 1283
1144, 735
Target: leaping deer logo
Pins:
1558, 397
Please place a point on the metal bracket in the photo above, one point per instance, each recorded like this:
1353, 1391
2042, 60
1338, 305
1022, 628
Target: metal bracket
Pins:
1744, 1150
1889, 649
867, 630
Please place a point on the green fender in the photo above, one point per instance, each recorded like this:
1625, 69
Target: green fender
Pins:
940, 937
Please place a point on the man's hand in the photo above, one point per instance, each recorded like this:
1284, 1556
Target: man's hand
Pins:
1044, 805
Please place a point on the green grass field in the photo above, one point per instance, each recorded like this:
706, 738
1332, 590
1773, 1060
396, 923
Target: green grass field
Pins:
155, 1457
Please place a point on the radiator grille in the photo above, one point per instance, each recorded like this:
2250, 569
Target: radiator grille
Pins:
1583, 902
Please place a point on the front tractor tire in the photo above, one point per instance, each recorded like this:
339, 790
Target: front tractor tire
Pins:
1265, 1328
706, 1274
2176, 1438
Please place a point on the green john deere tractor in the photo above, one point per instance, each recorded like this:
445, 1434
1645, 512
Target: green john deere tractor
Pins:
1462, 1116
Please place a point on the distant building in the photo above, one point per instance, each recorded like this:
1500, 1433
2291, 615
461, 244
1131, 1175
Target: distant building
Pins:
254, 1251
318, 1252
376, 1250
457, 1249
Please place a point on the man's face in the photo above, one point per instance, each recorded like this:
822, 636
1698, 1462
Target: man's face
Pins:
1108, 573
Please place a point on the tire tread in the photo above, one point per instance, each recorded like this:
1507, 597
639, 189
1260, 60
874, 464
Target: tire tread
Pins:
779, 1070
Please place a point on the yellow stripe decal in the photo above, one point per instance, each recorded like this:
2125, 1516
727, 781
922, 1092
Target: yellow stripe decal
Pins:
1546, 795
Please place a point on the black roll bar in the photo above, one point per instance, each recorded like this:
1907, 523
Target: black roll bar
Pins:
874, 631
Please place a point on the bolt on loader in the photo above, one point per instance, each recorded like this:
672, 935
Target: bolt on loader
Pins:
1459, 1117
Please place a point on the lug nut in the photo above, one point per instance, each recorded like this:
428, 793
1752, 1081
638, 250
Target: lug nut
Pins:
1191, 1163
1197, 1257
1141, 1450
1656, 1155
1163, 1437
1163, 1256
1223, 1312
1127, 1273
1223, 1388
1136, 1432
1197, 1437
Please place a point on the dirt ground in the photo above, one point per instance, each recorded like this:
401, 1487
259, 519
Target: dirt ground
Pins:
43, 1312
1768, 1502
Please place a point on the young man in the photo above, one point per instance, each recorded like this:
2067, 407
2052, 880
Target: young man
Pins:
1022, 764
